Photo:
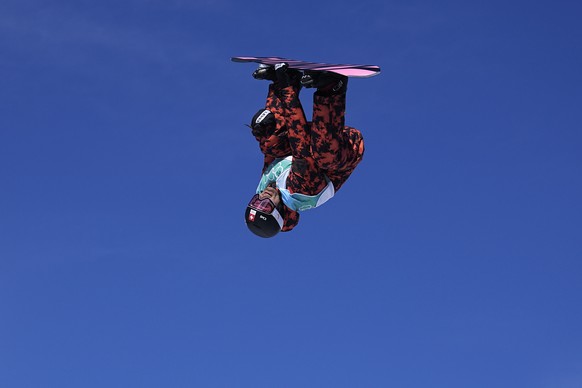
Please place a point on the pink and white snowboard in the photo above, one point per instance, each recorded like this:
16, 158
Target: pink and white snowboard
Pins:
360, 71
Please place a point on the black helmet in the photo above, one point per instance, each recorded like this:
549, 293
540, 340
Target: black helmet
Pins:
263, 218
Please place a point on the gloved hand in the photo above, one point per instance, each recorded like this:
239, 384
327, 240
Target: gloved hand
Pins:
263, 123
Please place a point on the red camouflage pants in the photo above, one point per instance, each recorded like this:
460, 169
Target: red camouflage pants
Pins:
320, 148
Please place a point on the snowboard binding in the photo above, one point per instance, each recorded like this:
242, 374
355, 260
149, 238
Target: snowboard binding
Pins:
279, 73
325, 82
265, 72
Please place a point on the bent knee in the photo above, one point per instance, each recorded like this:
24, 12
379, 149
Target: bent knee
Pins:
326, 154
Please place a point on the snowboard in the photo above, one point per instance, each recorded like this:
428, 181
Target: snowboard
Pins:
359, 71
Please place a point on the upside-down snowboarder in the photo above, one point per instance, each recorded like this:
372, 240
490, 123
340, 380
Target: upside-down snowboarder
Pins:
305, 163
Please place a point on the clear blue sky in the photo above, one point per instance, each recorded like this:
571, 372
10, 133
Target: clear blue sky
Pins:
451, 258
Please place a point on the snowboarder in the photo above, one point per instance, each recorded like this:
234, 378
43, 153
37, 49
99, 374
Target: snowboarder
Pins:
305, 163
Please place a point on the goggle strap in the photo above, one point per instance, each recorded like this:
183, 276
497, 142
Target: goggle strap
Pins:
278, 217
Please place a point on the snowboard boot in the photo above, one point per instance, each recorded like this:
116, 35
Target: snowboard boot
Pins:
265, 72
287, 77
280, 74
326, 82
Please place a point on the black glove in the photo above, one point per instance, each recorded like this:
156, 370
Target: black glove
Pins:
262, 123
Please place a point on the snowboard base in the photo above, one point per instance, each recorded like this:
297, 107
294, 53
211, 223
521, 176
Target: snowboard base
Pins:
358, 71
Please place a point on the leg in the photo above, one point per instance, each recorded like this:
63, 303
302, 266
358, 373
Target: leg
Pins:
305, 176
337, 149
283, 101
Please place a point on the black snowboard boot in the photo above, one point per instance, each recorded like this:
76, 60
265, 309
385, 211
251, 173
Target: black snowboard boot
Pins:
280, 74
266, 72
325, 82
287, 77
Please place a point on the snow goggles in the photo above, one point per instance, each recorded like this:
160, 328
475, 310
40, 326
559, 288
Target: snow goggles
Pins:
266, 206
263, 205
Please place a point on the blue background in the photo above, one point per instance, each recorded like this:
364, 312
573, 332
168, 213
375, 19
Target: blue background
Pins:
451, 257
